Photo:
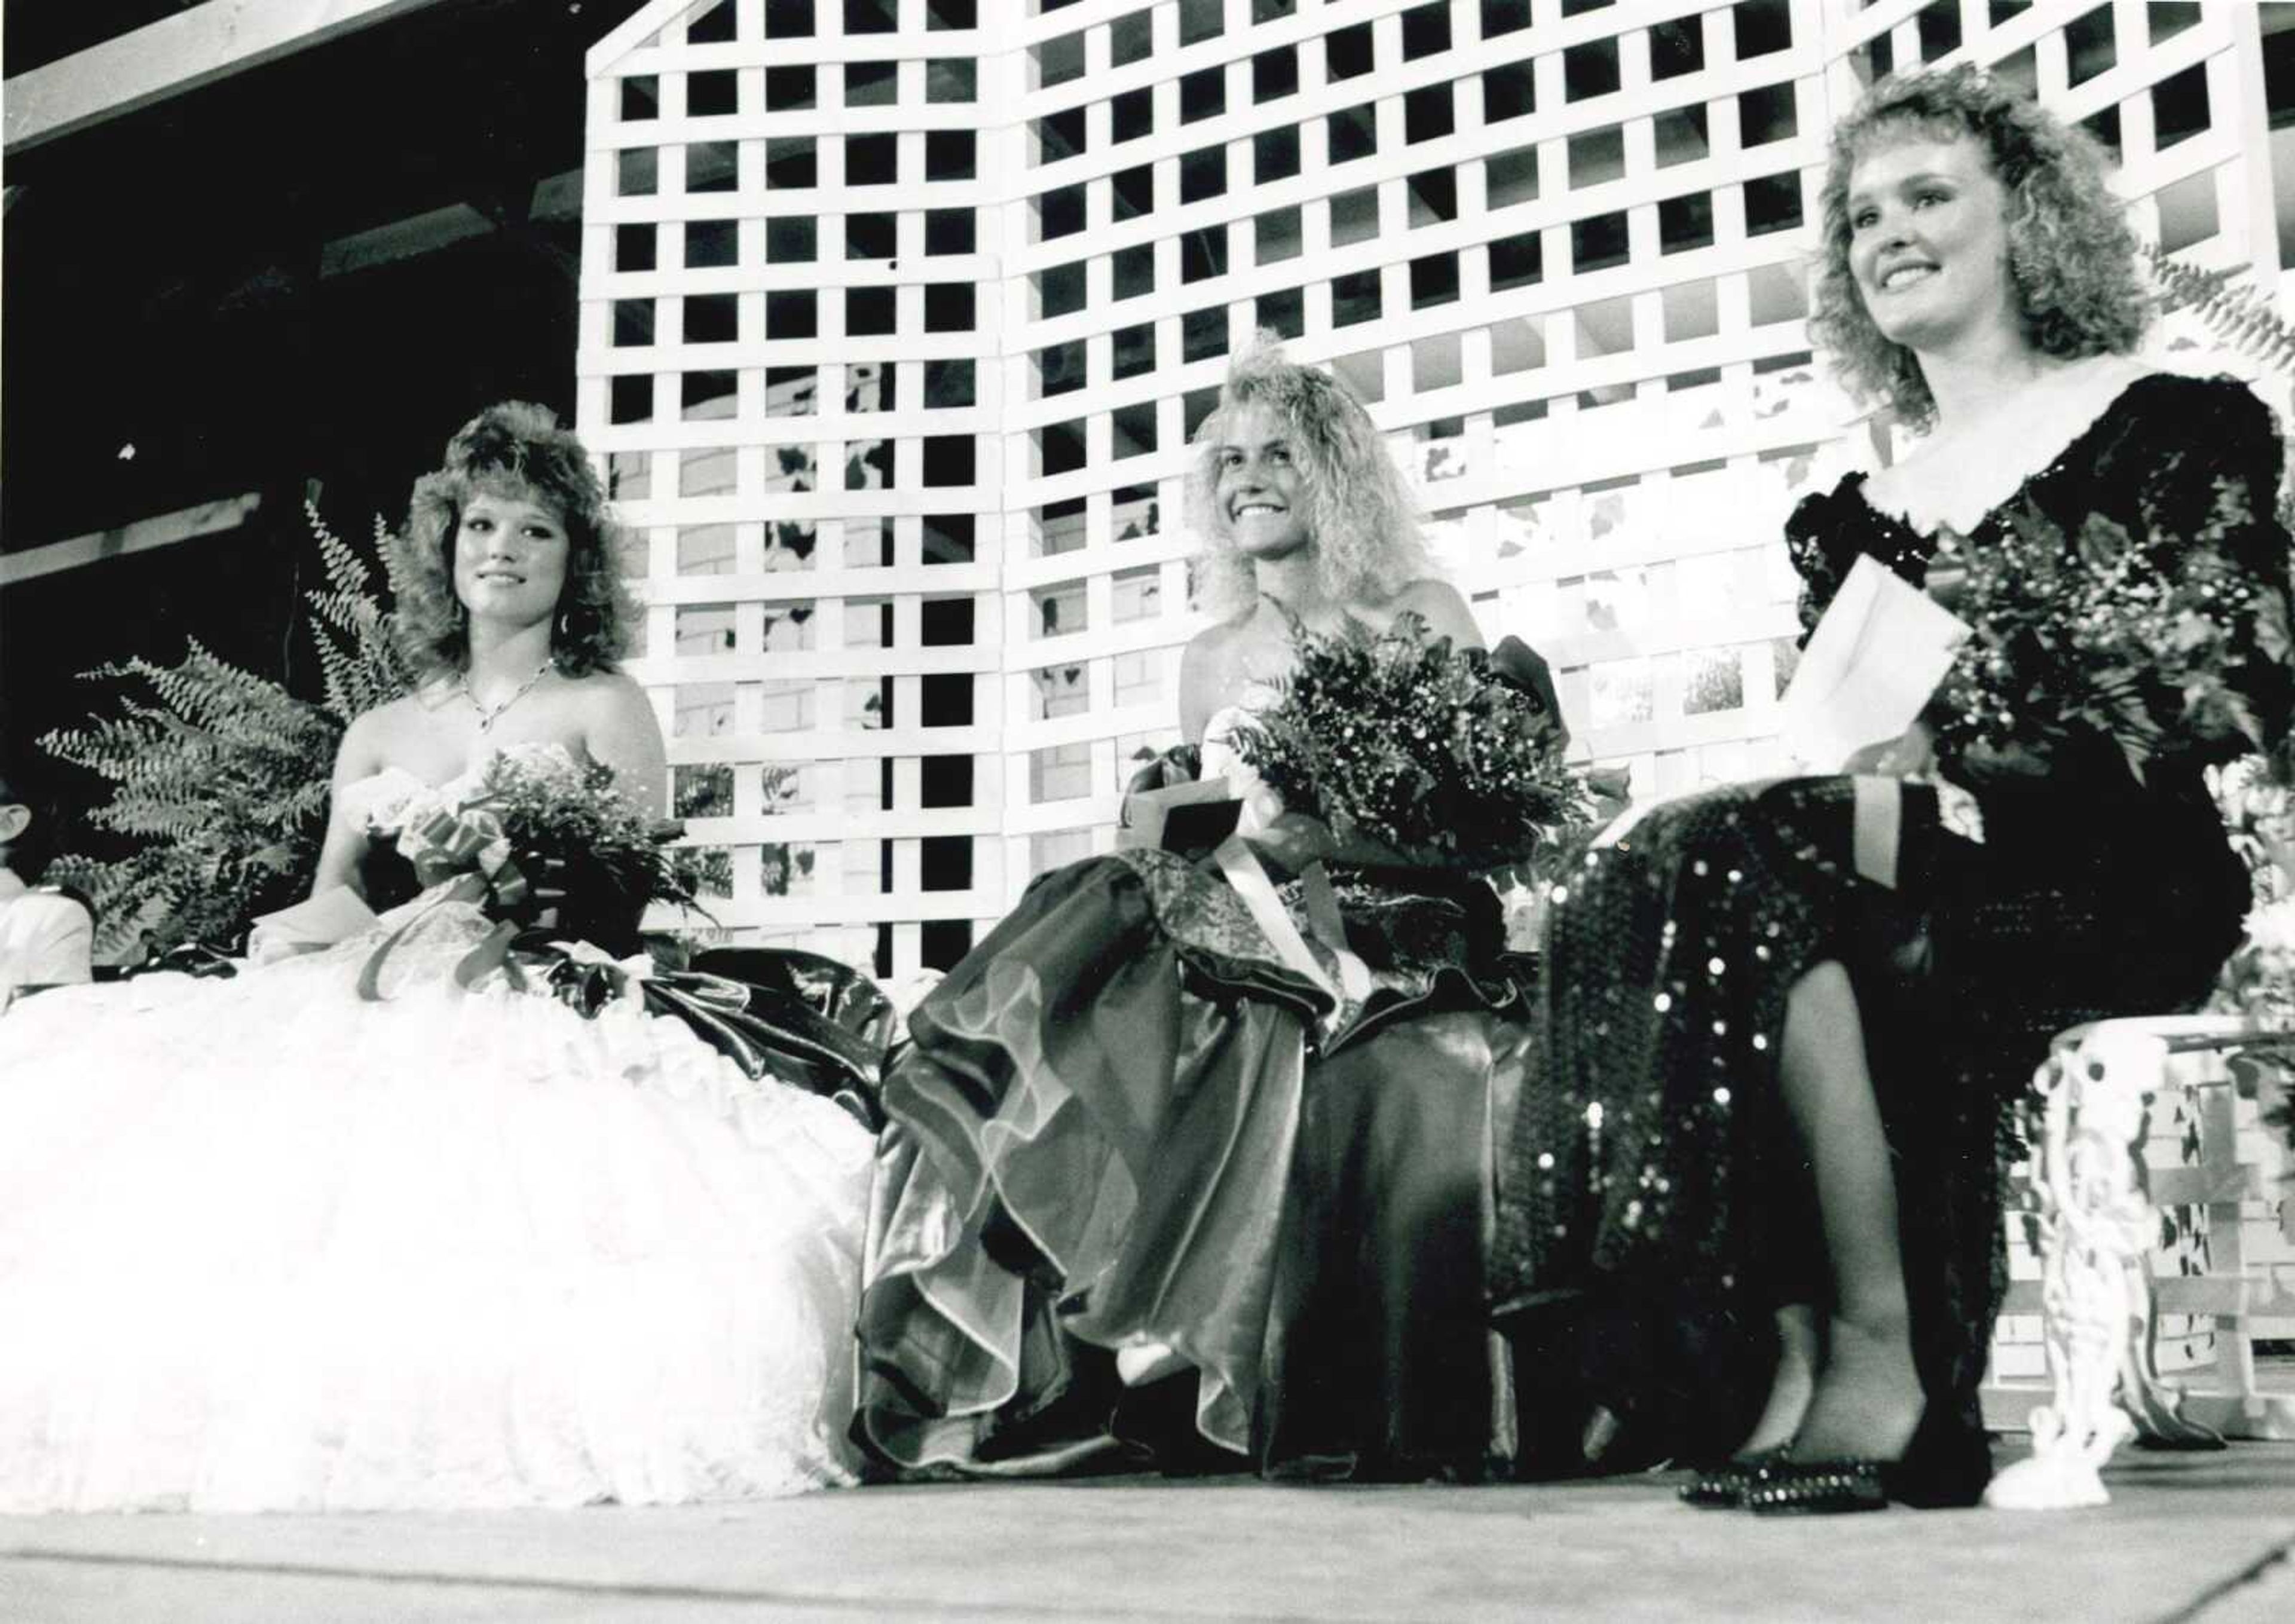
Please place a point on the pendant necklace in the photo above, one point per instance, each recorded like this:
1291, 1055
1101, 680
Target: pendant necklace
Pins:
488, 716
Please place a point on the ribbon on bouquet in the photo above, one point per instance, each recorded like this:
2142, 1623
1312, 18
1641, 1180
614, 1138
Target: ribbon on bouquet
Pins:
447, 843
467, 851
1247, 877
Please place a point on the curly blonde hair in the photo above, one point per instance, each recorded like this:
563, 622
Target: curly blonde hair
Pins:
2070, 253
1368, 543
513, 449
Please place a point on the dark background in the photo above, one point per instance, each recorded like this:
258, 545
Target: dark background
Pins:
163, 289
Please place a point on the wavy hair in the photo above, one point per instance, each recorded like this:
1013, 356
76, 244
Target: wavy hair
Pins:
1368, 543
517, 451
2070, 253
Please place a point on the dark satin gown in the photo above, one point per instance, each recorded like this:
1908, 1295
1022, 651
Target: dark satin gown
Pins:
1123, 1120
1653, 1204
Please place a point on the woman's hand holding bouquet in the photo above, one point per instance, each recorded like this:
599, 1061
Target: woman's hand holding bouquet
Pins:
548, 848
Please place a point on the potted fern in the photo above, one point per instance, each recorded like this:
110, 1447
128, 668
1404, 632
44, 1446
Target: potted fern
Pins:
219, 776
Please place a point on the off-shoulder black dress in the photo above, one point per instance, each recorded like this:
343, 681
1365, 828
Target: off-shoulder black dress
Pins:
1653, 1204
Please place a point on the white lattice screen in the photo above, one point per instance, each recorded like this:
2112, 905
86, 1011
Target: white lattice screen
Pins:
897, 314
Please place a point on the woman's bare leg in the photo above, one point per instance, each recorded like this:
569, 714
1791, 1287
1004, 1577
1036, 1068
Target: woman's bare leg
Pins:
1799, 1351
1866, 1399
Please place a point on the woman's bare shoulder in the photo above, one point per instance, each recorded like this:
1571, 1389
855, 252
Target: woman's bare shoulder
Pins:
1214, 640
1207, 667
1424, 591
1441, 605
603, 694
375, 730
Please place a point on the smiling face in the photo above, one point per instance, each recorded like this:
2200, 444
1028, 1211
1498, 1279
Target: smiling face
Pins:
509, 558
1261, 495
1928, 241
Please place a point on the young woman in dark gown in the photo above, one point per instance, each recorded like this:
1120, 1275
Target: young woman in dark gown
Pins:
1143, 1179
1767, 1088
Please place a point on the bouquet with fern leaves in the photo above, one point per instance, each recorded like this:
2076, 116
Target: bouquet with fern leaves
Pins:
545, 846
588, 859
2161, 651
1416, 753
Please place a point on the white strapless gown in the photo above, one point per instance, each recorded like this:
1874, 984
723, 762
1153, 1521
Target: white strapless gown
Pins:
265, 1246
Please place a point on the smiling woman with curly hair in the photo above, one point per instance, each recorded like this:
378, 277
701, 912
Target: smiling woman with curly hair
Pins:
512, 611
1366, 527
1781, 1021
2071, 258
442, 1237
514, 449
1303, 519
1123, 1194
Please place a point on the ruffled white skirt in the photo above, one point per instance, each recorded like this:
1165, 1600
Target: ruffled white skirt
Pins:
264, 1245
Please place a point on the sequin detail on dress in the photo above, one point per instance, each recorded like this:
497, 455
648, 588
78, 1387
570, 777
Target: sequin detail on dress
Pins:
1647, 1160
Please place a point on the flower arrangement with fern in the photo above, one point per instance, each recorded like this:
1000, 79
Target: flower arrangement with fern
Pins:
2102, 634
220, 776
559, 844
1416, 753
546, 846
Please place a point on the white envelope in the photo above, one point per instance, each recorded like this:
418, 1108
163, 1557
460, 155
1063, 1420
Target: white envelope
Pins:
1869, 668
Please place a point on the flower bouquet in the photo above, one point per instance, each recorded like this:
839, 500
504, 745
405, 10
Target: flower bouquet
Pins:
2101, 635
548, 847
1384, 748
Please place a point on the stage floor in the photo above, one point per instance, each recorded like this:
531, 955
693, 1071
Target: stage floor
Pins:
2203, 1538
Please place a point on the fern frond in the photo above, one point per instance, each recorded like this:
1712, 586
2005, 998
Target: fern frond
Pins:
360, 664
2242, 315
348, 573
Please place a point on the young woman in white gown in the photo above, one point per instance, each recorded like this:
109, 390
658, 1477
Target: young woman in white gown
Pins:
267, 1244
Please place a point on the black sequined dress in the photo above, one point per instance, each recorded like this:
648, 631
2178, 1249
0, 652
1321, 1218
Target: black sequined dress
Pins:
1654, 1205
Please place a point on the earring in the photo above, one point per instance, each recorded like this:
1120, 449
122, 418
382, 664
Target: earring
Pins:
564, 626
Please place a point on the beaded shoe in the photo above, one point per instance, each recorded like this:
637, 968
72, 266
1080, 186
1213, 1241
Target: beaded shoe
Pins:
1819, 1488
1723, 1488
1946, 1464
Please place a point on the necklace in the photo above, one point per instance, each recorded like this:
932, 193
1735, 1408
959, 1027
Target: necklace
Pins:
488, 716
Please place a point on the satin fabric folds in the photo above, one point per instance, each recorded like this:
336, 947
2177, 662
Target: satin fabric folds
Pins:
1124, 1123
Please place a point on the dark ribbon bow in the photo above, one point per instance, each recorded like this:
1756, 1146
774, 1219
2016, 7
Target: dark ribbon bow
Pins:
768, 1033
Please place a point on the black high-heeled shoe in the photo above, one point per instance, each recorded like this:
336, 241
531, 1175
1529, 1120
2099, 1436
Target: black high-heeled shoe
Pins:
1723, 1486
1820, 1487
1947, 1465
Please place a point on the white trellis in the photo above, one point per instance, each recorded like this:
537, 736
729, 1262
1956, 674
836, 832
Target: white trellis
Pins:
1560, 250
